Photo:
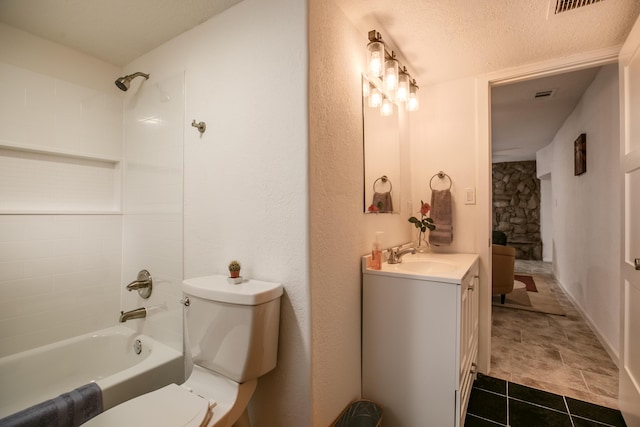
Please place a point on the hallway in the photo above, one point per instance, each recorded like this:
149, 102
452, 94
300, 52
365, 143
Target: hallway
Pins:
558, 354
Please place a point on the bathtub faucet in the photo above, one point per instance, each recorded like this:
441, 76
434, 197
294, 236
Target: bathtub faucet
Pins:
138, 313
143, 284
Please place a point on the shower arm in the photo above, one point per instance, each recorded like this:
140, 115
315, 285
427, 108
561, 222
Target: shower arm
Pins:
134, 75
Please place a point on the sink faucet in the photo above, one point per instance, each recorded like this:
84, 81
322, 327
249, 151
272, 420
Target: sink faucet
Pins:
138, 313
395, 255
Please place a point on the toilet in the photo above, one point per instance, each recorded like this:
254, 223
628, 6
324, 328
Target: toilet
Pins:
231, 339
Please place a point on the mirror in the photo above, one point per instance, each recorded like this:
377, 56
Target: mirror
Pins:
381, 142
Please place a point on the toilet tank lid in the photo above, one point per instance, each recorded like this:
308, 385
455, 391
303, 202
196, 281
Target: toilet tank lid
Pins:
217, 288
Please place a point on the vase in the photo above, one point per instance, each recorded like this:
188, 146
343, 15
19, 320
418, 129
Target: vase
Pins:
422, 245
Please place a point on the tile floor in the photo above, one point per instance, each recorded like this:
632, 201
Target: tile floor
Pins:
496, 402
557, 354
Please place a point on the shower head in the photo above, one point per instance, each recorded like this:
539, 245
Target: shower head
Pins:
124, 82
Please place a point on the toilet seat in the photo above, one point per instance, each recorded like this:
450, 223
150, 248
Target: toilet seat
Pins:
172, 405
184, 405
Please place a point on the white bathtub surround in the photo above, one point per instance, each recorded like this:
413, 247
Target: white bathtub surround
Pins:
153, 201
64, 271
59, 277
106, 357
60, 252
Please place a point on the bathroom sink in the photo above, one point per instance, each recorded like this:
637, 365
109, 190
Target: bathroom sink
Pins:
440, 267
423, 266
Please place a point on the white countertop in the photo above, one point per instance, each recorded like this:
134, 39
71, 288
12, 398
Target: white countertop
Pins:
456, 266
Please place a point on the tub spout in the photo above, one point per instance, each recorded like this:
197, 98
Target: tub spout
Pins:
138, 313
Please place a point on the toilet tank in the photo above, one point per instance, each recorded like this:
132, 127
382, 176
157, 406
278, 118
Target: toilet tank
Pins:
232, 329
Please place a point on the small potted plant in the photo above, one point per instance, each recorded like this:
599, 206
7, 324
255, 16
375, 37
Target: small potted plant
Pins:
234, 269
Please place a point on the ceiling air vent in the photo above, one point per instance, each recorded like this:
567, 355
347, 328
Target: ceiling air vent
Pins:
543, 94
566, 5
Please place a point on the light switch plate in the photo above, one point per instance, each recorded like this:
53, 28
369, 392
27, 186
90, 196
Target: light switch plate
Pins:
470, 196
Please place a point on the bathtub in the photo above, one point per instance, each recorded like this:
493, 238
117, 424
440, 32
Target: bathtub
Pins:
106, 357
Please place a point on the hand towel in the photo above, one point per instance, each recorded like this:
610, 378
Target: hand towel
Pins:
383, 201
441, 213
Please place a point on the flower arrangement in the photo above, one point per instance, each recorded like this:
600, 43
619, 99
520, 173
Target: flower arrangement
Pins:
424, 223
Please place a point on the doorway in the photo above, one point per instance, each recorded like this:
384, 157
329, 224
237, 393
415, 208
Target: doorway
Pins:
539, 337
485, 85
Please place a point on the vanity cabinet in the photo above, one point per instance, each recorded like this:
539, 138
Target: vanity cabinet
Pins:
420, 342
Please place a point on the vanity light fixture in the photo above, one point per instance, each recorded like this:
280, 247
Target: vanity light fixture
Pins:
388, 81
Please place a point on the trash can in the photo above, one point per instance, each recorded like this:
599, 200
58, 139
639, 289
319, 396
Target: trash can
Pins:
360, 413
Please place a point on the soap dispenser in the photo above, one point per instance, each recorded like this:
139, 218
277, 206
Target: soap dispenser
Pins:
376, 253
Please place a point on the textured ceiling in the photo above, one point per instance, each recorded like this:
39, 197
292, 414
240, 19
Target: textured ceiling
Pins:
521, 124
448, 39
439, 40
442, 40
116, 31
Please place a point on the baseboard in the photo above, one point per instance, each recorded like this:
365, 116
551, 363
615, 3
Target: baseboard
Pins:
605, 343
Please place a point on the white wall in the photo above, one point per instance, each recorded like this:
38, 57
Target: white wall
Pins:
546, 217
246, 189
59, 273
585, 214
544, 167
246, 177
340, 233
440, 141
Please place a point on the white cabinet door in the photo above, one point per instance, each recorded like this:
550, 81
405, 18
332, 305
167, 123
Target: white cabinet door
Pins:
409, 350
630, 149
468, 340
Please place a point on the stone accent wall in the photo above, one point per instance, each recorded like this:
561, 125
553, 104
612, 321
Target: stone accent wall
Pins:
516, 207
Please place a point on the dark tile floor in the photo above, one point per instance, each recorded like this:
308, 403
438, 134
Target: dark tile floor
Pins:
496, 402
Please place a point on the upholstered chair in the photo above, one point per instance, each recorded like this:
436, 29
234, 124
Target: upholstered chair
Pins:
504, 259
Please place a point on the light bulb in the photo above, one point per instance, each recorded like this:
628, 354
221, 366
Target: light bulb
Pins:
376, 58
391, 74
366, 89
412, 102
402, 94
375, 99
387, 108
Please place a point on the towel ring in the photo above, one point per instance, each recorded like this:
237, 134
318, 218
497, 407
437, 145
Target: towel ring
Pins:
440, 175
384, 180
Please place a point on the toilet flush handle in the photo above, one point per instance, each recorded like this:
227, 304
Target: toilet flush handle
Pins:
185, 301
